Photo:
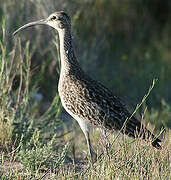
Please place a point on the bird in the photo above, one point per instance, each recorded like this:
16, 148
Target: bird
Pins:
85, 99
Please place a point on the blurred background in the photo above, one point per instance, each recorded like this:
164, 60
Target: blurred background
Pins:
124, 44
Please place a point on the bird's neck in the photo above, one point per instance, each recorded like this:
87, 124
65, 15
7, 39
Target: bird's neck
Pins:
68, 58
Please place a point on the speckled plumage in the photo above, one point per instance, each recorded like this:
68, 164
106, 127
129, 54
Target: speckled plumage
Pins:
87, 100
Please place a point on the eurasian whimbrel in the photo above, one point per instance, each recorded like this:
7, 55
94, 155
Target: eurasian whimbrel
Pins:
86, 100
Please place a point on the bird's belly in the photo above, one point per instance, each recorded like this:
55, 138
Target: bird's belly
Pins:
84, 124
85, 109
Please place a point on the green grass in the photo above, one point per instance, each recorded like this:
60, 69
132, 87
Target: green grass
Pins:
35, 143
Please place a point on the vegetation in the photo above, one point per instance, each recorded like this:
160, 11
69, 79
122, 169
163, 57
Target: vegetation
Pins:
127, 45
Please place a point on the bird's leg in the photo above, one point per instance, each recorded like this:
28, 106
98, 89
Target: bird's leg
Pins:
92, 154
106, 141
104, 132
85, 128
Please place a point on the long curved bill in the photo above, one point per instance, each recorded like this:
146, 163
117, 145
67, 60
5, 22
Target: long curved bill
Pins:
40, 22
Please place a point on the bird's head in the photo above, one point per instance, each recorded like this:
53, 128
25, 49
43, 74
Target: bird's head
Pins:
58, 20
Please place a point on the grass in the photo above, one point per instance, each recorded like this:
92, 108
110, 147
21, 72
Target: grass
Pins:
37, 141
21, 132
33, 148
126, 160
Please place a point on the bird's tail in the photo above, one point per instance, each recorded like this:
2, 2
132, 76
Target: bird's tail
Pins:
134, 127
156, 143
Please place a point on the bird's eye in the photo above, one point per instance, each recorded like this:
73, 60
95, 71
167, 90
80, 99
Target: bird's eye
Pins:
53, 18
